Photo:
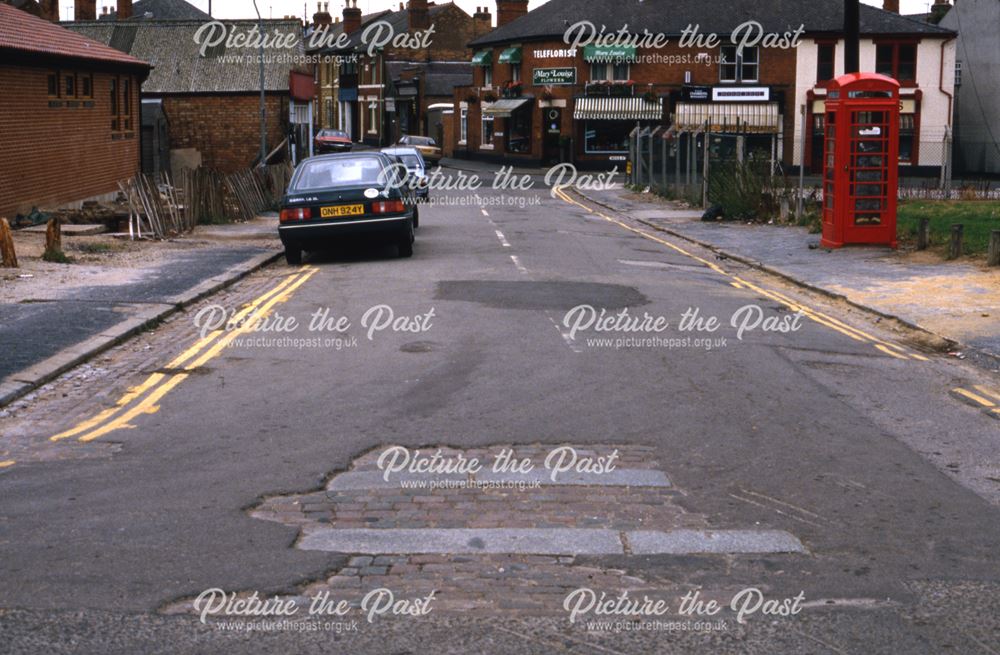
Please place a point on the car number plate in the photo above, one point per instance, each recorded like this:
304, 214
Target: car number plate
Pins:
341, 210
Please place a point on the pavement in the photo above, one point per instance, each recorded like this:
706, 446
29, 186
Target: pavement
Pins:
958, 301
63, 322
821, 463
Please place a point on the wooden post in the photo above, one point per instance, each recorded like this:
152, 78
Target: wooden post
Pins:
53, 242
955, 246
704, 171
993, 258
924, 233
8, 258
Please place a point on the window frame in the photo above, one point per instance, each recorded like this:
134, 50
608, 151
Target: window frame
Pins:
463, 125
485, 119
820, 63
894, 60
739, 65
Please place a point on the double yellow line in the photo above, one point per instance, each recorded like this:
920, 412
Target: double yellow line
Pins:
988, 399
886, 347
144, 398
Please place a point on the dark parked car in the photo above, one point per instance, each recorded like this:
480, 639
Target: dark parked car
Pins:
426, 145
415, 166
331, 141
331, 197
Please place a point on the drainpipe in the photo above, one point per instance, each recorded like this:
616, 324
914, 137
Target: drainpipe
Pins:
941, 78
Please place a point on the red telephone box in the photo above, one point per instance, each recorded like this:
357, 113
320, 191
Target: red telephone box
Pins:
860, 160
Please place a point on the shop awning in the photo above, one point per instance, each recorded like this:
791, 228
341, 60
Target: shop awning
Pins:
617, 109
483, 58
510, 56
608, 53
503, 108
754, 117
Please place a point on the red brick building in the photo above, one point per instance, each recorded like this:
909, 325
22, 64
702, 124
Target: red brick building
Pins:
535, 98
211, 98
69, 115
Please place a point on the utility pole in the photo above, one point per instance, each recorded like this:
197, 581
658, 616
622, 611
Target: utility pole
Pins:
852, 36
263, 110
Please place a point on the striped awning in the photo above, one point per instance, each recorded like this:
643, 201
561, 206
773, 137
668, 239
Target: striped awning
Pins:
755, 117
617, 109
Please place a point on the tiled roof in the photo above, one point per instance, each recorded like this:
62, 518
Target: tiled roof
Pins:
161, 10
670, 17
22, 32
178, 65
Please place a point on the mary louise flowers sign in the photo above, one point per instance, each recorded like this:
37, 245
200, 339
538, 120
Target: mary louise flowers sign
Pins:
544, 76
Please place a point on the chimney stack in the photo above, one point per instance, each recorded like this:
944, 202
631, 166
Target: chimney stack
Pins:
482, 22
50, 10
352, 17
418, 17
322, 15
124, 9
509, 10
891, 5
85, 10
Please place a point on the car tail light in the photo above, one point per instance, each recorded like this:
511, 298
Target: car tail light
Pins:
297, 214
388, 207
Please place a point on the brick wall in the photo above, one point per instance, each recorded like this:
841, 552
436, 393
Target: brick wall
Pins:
225, 129
55, 155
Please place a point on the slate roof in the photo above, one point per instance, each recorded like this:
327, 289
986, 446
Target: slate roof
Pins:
440, 77
399, 20
161, 10
178, 65
669, 17
21, 32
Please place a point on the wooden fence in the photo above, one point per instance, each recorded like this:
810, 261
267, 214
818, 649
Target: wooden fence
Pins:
162, 206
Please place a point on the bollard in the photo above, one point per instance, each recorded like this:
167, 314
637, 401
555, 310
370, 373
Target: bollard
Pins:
924, 234
8, 258
993, 258
955, 245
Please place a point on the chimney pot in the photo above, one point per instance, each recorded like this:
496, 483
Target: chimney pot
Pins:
509, 10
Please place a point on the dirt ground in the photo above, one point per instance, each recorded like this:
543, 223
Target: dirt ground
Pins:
107, 260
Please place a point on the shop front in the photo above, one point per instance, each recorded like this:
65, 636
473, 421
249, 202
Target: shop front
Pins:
750, 116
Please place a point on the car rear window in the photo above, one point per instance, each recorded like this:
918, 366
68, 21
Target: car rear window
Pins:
340, 172
332, 133
411, 161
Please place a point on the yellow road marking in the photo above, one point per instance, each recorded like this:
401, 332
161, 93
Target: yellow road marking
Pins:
986, 391
7, 462
971, 396
257, 309
738, 282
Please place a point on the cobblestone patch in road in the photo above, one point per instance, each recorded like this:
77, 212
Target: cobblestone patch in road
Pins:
574, 508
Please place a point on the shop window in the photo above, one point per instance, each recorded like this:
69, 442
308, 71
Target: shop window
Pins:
53, 83
606, 136
463, 126
69, 85
487, 133
826, 56
519, 131
515, 72
487, 77
907, 138
897, 60
739, 66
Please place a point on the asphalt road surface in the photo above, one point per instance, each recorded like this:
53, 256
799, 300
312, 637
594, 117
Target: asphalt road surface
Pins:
826, 429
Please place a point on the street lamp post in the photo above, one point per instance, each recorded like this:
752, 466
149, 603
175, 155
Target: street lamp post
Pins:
260, 69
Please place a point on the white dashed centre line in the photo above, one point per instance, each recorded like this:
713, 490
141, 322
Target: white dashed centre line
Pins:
517, 264
503, 239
